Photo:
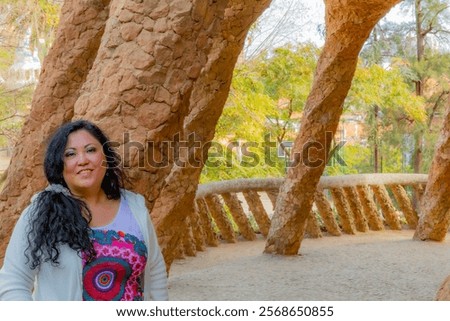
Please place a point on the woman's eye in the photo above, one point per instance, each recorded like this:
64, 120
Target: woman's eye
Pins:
69, 154
91, 150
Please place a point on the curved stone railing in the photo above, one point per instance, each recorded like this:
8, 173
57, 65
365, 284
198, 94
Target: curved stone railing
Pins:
347, 204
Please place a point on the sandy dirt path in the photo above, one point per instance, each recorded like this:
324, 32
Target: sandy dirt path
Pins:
386, 265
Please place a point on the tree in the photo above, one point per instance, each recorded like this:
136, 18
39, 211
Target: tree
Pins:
14, 106
267, 95
428, 18
391, 109
277, 26
420, 48
25, 27
346, 33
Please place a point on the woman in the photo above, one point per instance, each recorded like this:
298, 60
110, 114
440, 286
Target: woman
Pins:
84, 237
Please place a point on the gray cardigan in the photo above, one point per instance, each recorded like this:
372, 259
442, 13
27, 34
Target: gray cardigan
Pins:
64, 282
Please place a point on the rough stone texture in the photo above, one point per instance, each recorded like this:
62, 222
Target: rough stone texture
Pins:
239, 216
389, 212
443, 293
325, 211
355, 205
64, 71
259, 213
405, 205
343, 210
419, 190
188, 241
434, 216
211, 238
370, 208
207, 99
272, 195
348, 24
197, 229
220, 218
312, 226
158, 76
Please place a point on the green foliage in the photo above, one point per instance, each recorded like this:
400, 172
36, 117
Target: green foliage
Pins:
400, 112
268, 95
264, 96
357, 160
14, 105
226, 163
375, 85
420, 49
18, 16
6, 58
49, 13
246, 108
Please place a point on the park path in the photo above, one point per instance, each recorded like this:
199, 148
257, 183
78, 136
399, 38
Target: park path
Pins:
385, 265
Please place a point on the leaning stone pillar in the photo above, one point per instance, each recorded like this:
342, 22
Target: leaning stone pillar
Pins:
312, 226
325, 211
405, 205
197, 229
187, 240
348, 25
443, 293
356, 208
343, 210
205, 221
272, 194
259, 213
389, 212
241, 220
434, 218
370, 208
419, 190
220, 217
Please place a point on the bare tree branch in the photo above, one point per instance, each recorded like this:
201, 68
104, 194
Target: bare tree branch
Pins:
435, 106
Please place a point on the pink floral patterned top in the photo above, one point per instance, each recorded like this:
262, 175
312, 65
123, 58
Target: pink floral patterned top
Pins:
116, 272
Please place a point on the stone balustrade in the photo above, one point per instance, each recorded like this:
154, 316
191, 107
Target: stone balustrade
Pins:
240, 209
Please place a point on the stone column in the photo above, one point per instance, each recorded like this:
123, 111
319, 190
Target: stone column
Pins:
434, 218
65, 68
348, 25
326, 213
259, 213
205, 220
272, 194
188, 241
370, 208
356, 207
197, 229
239, 216
312, 226
343, 210
220, 217
405, 205
389, 211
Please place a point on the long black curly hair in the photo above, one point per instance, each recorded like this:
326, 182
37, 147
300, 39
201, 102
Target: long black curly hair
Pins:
60, 218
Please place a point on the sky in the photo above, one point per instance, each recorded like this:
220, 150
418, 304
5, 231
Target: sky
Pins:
316, 12
312, 18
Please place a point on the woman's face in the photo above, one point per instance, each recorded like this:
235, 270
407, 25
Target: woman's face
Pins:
84, 163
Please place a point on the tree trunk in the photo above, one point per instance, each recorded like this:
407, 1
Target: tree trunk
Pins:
434, 218
157, 86
348, 24
420, 50
375, 141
